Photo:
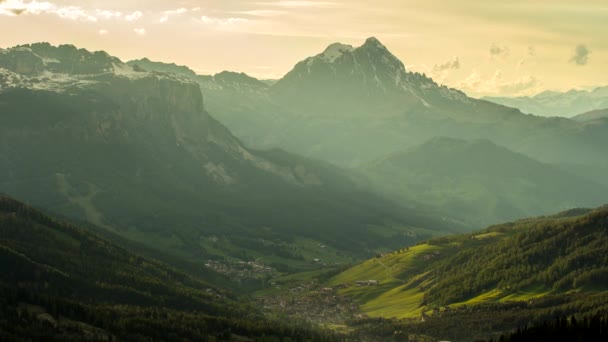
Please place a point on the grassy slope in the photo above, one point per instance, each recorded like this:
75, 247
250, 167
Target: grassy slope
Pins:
414, 280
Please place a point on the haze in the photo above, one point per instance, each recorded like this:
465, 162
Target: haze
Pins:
494, 48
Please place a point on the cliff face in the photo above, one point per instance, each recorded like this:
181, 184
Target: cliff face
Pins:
102, 100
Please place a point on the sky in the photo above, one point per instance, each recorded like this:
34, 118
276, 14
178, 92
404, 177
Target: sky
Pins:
483, 47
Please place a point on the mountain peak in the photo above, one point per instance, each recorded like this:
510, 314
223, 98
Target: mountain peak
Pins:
373, 42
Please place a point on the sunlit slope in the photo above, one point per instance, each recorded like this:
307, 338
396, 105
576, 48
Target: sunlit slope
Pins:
481, 182
516, 261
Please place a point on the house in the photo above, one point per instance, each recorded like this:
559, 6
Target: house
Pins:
367, 282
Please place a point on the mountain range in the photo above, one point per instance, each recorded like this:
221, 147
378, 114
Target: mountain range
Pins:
352, 105
553, 103
181, 186
137, 153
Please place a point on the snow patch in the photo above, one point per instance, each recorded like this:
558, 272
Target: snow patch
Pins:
334, 51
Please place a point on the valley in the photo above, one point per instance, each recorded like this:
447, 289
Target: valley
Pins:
352, 199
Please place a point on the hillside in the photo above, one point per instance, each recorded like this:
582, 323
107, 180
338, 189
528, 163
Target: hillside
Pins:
481, 182
553, 103
592, 115
137, 153
491, 281
60, 282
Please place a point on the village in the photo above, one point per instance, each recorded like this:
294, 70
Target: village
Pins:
312, 303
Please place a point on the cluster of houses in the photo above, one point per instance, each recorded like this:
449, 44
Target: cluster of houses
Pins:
240, 269
314, 304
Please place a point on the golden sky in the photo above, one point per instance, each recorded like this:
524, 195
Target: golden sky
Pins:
484, 47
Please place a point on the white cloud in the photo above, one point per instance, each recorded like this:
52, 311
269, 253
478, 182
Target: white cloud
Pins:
140, 31
135, 16
103, 32
18, 7
75, 13
167, 14
105, 14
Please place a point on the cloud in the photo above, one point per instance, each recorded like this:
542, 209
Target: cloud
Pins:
18, 7
105, 14
222, 21
440, 72
140, 31
135, 16
581, 55
299, 4
476, 84
453, 63
75, 13
103, 32
499, 50
262, 13
167, 14
519, 85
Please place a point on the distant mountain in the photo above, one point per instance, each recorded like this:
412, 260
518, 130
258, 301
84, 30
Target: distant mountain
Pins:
551, 103
352, 105
137, 153
472, 286
481, 181
354, 81
60, 282
592, 115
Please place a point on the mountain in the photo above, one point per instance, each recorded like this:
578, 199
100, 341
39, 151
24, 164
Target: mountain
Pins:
353, 105
592, 115
471, 286
480, 181
241, 102
552, 103
354, 81
60, 282
136, 152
